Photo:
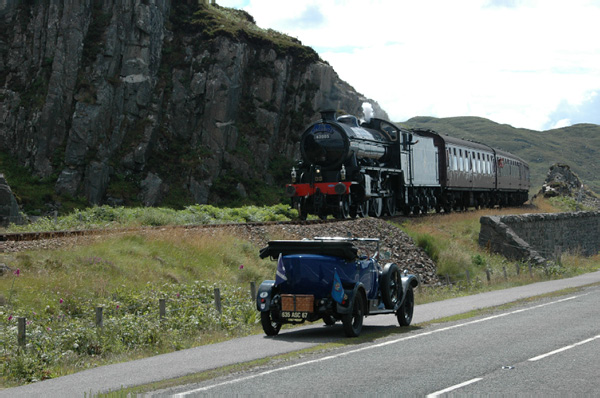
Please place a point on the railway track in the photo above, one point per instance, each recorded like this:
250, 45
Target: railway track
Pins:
40, 235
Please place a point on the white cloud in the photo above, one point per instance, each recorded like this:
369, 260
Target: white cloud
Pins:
512, 61
562, 123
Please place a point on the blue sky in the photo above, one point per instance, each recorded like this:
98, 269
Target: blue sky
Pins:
528, 63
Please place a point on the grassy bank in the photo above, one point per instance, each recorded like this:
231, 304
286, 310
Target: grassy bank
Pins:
466, 268
57, 291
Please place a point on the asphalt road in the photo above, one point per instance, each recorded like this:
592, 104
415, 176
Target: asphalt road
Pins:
162, 367
548, 347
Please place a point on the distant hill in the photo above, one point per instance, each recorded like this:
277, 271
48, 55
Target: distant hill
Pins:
578, 145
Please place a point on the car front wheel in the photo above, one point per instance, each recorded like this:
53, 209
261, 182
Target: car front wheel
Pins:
405, 312
353, 322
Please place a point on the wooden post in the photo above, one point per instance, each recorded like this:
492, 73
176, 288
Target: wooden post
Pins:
99, 321
253, 290
505, 274
162, 308
21, 333
530, 270
487, 274
468, 278
518, 268
218, 300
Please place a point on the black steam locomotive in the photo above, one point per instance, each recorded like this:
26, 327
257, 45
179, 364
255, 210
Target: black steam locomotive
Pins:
351, 168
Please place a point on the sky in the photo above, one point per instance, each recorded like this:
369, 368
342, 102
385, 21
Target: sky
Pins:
527, 63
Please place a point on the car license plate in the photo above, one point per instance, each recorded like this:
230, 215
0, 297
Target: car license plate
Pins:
294, 314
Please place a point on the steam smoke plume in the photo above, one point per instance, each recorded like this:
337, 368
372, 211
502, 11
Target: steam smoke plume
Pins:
367, 111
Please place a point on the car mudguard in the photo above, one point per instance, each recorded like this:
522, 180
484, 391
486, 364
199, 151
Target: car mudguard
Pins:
264, 296
407, 280
358, 289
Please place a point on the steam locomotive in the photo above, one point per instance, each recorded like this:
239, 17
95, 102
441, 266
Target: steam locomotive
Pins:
355, 168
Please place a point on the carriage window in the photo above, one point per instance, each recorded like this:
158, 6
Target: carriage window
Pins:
467, 161
454, 160
460, 160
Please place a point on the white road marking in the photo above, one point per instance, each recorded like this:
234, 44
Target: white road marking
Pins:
370, 347
563, 349
456, 387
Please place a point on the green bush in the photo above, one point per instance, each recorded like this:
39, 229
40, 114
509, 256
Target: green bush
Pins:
66, 333
101, 217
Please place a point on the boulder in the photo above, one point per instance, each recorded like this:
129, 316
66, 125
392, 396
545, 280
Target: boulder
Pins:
9, 208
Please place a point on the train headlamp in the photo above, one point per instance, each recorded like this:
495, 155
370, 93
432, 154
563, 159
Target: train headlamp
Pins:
343, 172
293, 175
318, 176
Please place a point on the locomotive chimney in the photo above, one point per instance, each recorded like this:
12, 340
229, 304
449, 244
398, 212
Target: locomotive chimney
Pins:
328, 115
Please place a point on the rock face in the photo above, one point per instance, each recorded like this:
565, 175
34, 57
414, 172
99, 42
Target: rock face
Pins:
9, 209
110, 97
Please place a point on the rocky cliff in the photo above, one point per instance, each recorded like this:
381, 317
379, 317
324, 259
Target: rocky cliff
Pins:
154, 101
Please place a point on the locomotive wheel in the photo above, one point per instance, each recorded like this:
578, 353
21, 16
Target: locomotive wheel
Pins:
390, 205
363, 209
376, 207
301, 207
344, 209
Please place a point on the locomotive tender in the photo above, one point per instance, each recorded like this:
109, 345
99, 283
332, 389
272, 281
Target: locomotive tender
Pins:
351, 168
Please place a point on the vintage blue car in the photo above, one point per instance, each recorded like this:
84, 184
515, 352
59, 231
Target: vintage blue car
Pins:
331, 279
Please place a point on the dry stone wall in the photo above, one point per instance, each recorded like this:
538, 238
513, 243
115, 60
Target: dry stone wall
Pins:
541, 237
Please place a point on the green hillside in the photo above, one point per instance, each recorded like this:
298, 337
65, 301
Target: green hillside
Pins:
578, 145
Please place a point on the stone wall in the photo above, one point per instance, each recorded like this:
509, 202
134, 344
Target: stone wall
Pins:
540, 237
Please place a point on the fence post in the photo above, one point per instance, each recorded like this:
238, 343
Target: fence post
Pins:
21, 333
487, 274
530, 270
99, 321
505, 274
162, 307
253, 290
218, 299
518, 268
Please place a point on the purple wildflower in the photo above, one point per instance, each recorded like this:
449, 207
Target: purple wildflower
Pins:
242, 266
17, 272
60, 301
10, 317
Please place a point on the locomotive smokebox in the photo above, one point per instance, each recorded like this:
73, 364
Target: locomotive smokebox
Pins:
330, 142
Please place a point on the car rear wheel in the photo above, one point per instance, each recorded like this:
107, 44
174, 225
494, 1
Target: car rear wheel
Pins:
390, 285
405, 312
353, 322
269, 325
